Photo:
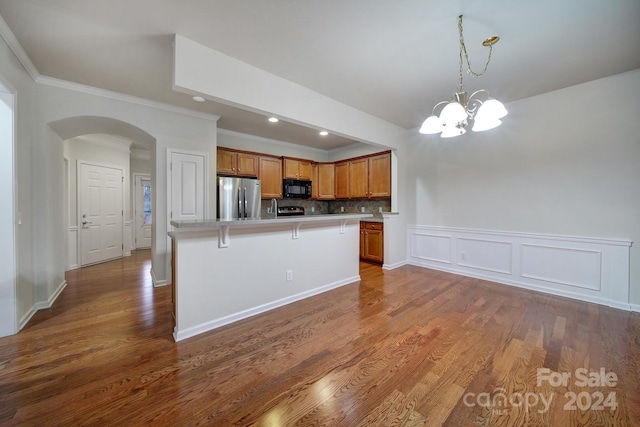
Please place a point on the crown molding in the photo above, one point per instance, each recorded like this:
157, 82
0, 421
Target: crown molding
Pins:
118, 96
16, 48
23, 58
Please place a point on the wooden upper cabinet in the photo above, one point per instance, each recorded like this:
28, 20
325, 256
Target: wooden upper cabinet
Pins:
358, 178
297, 168
230, 162
270, 175
380, 175
342, 180
314, 181
325, 183
227, 161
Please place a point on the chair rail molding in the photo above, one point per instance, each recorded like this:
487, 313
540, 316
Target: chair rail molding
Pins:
589, 269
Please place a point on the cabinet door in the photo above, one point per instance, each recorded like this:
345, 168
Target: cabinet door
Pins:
358, 178
291, 169
304, 169
342, 180
226, 162
373, 242
326, 181
247, 164
362, 240
315, 184
270, 169
380, 176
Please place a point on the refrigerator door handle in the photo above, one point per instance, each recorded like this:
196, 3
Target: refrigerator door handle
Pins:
245, 203
240, 206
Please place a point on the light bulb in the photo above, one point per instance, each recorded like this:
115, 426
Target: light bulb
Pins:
431, 125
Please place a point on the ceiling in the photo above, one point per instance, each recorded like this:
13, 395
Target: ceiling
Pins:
391, 59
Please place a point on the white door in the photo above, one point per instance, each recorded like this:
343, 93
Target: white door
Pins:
187, 186
143, 218
100, 193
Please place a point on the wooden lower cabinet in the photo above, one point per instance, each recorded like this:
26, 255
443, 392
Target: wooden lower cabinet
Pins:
372, 241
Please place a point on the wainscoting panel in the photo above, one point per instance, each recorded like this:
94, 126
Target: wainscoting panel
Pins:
483, 254
72, 248
589, 269
430, 247
565, 266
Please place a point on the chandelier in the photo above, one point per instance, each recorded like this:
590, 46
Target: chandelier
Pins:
457, 113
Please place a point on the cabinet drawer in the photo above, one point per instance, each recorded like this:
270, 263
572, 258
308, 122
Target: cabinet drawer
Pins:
372, 225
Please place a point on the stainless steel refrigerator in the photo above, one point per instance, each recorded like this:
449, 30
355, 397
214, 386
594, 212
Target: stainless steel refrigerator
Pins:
238, 198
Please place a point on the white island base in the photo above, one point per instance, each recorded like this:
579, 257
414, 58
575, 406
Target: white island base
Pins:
224, 271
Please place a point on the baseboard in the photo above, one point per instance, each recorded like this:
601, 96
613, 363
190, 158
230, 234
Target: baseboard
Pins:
25, 319
550, 291
394, 265
54, 296
216, 323
635, 307
157, 283
41, 305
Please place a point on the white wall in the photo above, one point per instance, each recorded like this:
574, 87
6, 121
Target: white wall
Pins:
12, 72
565, 162
8, 313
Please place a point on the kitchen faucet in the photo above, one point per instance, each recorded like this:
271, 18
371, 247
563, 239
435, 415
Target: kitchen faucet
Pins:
274, 202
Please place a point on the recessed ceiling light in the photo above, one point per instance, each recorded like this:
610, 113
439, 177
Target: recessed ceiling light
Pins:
198, 99
273, 119
324, 133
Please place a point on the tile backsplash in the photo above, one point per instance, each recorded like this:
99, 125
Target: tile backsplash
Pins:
323, 207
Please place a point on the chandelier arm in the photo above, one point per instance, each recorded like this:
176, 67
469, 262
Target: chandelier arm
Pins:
463, 47
433, 111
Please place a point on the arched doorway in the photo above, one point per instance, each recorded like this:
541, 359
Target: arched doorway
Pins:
101, 137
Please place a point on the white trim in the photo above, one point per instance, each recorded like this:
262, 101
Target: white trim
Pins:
558, 237
72, 239
54, 296
117, 96
635, 307
16, 48
42, 305
27, 316
216, 323
394, 265
587, 269
157, 283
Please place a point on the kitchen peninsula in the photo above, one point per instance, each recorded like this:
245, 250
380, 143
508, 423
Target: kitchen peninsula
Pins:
224, 271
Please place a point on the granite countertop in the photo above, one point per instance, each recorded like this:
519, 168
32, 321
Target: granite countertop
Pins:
215, 223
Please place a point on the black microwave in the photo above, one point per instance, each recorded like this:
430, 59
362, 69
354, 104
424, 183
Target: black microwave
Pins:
296, 188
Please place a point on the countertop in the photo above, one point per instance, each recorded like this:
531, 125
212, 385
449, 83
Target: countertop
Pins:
215, 223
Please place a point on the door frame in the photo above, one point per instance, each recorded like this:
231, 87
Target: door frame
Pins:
79, 205
136, 220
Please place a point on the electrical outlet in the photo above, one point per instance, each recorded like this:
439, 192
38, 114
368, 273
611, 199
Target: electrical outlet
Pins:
341, 208
289, 275
313, 208
463, 256
362, 209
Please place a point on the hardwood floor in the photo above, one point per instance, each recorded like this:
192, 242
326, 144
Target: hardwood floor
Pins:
407, 347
